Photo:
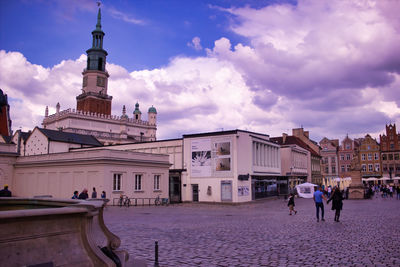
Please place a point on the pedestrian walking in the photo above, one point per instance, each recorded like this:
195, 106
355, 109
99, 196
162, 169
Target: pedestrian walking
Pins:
337, 203
103, 194
291, 204
75, 195
318, 199
5, 192
329, 191
94, 193
84, 194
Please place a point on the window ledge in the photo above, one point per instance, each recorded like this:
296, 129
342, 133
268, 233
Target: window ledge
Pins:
157, 190
138, 191
117, 191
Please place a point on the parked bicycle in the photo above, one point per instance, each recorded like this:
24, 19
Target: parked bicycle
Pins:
124, 201
161, 201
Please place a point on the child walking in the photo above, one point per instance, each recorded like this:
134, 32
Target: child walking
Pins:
291, 204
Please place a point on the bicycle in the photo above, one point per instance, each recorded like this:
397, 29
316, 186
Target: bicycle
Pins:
124, 201
161, 201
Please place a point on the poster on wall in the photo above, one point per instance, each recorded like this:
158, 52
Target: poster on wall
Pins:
243, 191
201, 158
222, 156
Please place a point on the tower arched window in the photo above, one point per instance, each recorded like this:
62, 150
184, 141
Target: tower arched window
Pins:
100, 66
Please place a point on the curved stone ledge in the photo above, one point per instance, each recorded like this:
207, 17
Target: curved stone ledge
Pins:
62, 232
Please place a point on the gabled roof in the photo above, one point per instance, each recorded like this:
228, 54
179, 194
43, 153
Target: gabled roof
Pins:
293, 140
7, 138
66, 137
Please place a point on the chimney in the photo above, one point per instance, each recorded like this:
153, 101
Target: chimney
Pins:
284, 135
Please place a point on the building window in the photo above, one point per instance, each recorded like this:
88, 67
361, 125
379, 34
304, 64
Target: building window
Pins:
333, 169
348, 167
138, 182
369, 147
343, 168
333, 160
117, 181
363, 168
369, 156
363, 156
384, 157
370, 167
348, 146
397, 167
396, 156
390, 156
341, 157
377, 167
326, 169
376, 156
391, 146
384, 167
347, 156
157, 182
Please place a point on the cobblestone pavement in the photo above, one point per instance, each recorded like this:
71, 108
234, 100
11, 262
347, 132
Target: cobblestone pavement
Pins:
261, 234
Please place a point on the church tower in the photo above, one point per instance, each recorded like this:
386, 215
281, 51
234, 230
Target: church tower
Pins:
94, 98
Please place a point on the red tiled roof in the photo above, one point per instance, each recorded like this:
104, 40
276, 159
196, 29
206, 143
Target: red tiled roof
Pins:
293, 140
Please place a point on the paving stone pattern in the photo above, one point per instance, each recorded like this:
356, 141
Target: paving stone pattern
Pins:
261, 234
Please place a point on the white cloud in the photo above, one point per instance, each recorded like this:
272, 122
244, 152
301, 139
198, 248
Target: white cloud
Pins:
331, 66
195, 44
124, 16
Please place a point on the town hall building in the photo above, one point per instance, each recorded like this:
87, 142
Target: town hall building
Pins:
92, 115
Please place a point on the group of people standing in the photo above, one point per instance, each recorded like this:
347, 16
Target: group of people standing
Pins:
84, 194
337, 203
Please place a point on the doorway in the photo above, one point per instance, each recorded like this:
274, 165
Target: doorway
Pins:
195, 192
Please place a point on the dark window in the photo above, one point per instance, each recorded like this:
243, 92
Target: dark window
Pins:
100, 67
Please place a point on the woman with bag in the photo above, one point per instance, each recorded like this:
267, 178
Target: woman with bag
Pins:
337, 203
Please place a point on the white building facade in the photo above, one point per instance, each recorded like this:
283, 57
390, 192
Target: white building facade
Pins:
141, 176
230, 166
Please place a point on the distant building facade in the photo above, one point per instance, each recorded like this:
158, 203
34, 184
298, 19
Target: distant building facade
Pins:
93, 111
345, 156
369, 156
329, 155
314, 148
390, 150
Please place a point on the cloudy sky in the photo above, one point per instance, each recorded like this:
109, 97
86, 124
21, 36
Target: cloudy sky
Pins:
332, 67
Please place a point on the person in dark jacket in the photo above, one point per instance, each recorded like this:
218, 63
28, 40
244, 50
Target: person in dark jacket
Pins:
5, 192
75, 195
337, 203
291, 204
84, 194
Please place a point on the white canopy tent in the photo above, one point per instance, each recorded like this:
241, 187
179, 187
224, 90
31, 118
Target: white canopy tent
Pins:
305, 190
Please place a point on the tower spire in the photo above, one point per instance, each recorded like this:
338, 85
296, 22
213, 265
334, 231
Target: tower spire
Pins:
98, 25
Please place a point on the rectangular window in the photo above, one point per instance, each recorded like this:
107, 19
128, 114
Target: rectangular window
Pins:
117, 181
333, 160
370, 167
390, 156
384, 167
396, 156
348, 146
348, 157
333, 169
157, 182
363, 168
348, 167
384, 157
326, 169
377, 167
138, 182
363, 156
376, 156
369, 156
343, 168
341, 157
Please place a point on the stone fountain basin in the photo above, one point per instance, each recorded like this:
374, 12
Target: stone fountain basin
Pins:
56, 232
